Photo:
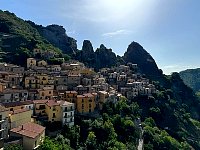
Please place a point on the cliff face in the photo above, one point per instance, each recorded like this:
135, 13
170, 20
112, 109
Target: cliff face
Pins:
57, 36
105, 57
191, 77
138, 55
86, 55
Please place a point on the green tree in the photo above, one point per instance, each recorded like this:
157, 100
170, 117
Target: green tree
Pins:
13, 147
91, 142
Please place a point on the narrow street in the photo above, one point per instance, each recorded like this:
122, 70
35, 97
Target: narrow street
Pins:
140, 145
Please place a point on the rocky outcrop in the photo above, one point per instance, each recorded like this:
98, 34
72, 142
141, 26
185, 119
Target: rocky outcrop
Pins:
138, 55
86, 55
105, 57
57, 36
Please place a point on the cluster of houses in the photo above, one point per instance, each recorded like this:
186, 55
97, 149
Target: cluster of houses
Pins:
56, 93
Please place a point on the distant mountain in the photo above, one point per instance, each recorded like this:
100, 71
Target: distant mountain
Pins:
191, 77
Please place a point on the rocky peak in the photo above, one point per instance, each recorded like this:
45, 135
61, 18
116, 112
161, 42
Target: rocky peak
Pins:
57, 36
137, 54
102, 46
87, 46
57, 29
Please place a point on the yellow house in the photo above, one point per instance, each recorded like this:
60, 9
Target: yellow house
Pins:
19, 117
46, 93
31, 82
2, 86
40, 107
102, 95
85, 103
43, 79
53, 110
49, 108
42, 63
71, 96
32, 135
31, 62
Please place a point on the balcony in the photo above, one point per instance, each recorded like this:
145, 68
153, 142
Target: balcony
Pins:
2, 120
2, 129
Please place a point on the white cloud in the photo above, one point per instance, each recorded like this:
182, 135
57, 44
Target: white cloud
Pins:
115, 33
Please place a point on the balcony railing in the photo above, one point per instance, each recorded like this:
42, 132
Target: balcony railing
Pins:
2, 129
2, 120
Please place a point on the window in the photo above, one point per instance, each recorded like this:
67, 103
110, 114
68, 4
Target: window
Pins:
65, 108
71, 113
42, 107
54, 108
82, 106
42, 93
20, 94
90, 110
71, 108
82, 100
49, 92
90, 105
65, 116
54, 115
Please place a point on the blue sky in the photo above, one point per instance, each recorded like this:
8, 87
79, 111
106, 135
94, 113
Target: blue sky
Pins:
168, 29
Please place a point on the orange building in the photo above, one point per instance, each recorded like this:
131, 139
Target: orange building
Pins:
71, 96
85, 103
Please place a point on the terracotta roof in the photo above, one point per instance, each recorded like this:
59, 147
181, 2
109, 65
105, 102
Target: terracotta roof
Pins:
29, 129
51, 103
19, 111
86, 95
65, 103
40, 101
13, 104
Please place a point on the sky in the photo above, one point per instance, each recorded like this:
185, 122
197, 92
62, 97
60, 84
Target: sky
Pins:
168, 29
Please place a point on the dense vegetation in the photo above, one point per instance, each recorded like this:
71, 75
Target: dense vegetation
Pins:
165, 125
18, 39
191, 77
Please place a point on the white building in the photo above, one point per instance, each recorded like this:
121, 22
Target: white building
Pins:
67, 113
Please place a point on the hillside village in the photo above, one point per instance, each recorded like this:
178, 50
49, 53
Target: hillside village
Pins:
39, 94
